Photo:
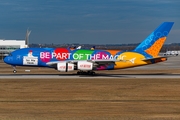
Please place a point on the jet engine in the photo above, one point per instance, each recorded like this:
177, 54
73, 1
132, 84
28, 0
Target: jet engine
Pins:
65, 67
83, 65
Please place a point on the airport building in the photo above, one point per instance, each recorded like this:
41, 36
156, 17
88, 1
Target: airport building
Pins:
7, 46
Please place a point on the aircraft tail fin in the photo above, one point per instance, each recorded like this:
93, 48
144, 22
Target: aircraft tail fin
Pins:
154, 42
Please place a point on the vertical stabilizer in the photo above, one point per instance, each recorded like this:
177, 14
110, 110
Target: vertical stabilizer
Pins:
154, 42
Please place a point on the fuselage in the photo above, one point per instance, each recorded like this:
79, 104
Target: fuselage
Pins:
40, 57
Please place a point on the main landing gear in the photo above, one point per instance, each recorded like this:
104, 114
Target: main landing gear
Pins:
14, 71
86, 73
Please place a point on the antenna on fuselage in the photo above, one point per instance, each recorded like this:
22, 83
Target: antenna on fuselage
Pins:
27, 38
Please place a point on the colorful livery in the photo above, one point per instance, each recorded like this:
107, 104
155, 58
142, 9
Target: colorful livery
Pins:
88, 61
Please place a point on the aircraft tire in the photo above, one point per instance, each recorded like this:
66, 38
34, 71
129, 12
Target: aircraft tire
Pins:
80, 73
86, 73
14, 71
92, 73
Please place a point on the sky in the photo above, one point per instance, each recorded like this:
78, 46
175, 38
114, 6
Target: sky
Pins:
87, 21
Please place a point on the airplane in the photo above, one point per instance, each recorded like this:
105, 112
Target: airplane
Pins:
87, 61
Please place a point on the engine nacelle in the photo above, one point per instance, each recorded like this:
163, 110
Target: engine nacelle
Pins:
65, 67
83, 65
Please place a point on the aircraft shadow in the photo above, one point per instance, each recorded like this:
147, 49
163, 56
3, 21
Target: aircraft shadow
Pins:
120, 75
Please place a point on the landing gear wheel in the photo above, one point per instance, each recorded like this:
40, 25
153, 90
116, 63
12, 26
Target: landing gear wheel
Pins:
86, 73
79, 72
93, 73
14, 71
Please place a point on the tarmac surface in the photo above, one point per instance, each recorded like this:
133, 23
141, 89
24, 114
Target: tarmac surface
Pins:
70, 76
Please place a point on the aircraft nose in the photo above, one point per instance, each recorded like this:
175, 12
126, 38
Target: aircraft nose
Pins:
7, 60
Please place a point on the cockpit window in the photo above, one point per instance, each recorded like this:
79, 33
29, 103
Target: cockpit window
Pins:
9, 54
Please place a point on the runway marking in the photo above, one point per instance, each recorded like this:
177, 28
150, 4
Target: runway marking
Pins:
70, 76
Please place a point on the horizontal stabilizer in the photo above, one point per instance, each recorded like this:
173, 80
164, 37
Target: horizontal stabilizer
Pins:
156, 58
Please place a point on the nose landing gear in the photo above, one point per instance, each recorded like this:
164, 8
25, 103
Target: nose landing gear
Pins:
14, 71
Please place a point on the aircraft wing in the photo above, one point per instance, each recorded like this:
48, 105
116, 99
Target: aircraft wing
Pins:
103, 62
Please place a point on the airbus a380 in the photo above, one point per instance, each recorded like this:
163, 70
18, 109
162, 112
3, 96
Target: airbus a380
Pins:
87, 61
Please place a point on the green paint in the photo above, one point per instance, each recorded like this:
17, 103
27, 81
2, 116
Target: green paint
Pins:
83, 54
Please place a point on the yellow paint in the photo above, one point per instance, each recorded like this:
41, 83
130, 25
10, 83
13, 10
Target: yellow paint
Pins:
156, 47
92, 48
130, 59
